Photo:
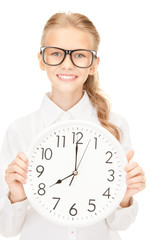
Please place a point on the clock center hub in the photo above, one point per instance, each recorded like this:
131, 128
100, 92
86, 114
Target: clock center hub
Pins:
75, 172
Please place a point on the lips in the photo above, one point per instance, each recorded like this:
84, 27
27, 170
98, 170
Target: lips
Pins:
66, 77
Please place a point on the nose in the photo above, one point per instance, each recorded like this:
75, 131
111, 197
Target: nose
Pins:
67, 63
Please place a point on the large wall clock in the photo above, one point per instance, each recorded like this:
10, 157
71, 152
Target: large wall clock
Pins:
76, 173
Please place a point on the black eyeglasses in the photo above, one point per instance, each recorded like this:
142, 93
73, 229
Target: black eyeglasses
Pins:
81, 58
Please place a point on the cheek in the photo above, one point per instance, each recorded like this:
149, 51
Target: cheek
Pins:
51, 72
84, 73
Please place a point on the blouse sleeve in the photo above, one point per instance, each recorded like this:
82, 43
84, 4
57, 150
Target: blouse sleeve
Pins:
122, 218
12, 216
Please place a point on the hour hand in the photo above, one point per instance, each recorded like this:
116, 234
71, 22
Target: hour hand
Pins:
61, 180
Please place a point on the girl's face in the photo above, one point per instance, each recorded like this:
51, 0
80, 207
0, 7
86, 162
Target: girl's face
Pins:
69, 38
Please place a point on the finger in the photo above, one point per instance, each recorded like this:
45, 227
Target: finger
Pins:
16, 169
21, 164
18, 162
139, 179
21, 160
138, 186
129, 167
130, 155
22, 156
15, 177
135, 172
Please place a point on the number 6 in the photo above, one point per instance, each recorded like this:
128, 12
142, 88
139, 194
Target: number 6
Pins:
73, 209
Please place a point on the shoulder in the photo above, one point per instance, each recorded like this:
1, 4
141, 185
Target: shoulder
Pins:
24, 129
25, 121
118, 120
18, 137
124, 131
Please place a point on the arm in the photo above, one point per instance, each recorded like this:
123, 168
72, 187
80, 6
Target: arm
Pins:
126, 213
13, 206
12, 216
135, 180
122, 218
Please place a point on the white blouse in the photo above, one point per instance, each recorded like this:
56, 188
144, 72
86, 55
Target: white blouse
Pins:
20, 217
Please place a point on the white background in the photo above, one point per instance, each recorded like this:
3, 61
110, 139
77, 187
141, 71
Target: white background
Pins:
128, 74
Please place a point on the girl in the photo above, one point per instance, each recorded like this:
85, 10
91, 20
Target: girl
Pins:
75, 95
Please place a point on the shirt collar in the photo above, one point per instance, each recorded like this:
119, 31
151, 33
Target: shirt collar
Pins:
51, 113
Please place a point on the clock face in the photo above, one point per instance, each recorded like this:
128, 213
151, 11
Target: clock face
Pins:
76, 173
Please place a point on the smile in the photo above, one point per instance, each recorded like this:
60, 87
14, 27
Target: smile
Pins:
66, 77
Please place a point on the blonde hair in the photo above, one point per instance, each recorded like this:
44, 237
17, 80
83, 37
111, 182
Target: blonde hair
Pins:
91, 86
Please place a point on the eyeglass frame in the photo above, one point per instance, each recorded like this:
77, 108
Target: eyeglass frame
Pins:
42, 49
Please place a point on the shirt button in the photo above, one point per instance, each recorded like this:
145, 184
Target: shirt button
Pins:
72, 234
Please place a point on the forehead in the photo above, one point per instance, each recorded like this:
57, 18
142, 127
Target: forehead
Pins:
68, 38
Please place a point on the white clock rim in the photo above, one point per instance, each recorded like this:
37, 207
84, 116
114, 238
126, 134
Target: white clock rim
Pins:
123, 190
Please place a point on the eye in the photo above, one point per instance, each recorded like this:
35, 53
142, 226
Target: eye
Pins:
56, 54
79, 55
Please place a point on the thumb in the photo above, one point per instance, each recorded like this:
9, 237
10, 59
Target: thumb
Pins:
130, 155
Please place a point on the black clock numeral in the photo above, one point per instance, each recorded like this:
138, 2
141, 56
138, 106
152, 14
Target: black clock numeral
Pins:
41, 190
78, 136
40, 169
111, 175
110, 154
46, 153
59, 139
58, 199
73, 211
107, 193
92, 205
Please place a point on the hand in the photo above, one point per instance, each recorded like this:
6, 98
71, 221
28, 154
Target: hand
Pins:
15, 177
135, 180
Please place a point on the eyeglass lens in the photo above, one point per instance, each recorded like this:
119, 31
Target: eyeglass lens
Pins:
81, 58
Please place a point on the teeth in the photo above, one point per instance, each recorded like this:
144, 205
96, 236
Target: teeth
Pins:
66, 77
